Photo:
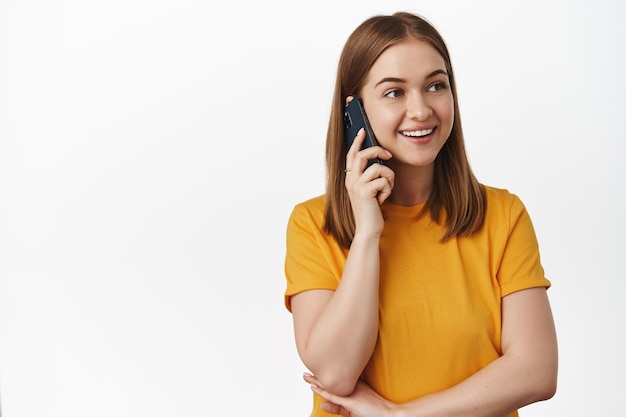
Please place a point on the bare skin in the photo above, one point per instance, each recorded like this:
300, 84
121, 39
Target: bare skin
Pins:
336, 330
525, 373
411, 109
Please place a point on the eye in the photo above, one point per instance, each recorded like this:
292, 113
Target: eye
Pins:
438, 86
394, 93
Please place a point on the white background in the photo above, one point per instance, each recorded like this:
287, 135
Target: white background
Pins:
151, 152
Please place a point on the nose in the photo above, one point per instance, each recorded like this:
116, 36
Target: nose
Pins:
417, 107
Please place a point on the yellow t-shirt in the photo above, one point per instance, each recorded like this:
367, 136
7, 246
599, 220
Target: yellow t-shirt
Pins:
440, 302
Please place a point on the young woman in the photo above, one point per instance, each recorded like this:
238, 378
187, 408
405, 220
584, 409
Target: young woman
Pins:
414, 290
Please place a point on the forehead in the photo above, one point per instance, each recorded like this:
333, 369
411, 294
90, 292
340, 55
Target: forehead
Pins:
411, 58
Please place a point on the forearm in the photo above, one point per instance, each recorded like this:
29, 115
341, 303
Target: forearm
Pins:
498, 389
503, 386
525, 373
344, 335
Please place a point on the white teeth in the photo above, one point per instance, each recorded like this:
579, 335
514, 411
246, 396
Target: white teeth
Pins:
417, 133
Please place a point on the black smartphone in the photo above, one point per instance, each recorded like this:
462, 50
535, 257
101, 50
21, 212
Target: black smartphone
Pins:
354, 118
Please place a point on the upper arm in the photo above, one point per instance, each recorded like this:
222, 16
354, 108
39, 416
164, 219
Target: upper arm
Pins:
528, 333
306, 307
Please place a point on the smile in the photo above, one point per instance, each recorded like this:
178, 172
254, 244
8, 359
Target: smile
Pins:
417, 133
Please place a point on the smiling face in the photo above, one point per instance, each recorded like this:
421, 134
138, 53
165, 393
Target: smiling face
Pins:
409, 103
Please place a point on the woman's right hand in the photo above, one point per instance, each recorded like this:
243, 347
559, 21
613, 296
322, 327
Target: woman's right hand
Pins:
367, 188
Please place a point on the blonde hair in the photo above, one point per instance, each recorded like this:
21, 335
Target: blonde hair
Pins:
457, 199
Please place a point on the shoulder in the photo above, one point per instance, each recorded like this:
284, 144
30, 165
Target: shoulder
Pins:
312, 204
504, 208
308, 214
498, 195
501, 200
512, 241
312, 207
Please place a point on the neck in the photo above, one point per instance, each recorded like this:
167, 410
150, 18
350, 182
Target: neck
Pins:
412, 185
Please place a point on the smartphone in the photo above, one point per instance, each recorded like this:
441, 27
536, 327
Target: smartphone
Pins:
354, 118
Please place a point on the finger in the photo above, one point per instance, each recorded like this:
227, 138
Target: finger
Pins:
378, 188
379, 171
389, 176
311, 379
328, 396
374, 152
359, 162
357, 142
333, 408
371, 183
334, 404
352, 162
383, 194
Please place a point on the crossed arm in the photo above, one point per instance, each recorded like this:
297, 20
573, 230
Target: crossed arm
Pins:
336, 331
525, 373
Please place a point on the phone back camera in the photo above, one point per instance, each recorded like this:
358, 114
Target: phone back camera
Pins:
346, 120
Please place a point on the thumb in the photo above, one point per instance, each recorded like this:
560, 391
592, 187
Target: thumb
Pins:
333, 408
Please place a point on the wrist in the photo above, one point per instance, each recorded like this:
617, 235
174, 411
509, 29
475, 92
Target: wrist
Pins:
364, 235
396, 410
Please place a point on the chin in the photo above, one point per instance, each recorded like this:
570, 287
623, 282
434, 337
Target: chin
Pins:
413, 163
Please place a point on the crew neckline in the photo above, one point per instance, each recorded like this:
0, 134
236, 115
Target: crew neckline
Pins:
402, 210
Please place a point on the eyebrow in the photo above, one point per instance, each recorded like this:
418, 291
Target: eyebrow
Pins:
401, 80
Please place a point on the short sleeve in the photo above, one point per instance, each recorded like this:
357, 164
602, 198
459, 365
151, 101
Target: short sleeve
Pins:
520, 267
313, 259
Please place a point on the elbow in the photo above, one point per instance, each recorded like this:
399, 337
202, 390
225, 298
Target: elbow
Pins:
340, 388
549, 380
343, 388
337, 383
336, 377
545, 387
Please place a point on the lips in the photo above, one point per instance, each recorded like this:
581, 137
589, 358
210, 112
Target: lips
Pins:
419, 136
417, 133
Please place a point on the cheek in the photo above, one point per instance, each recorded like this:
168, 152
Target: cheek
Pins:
446, 113
451, 109
384, 121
